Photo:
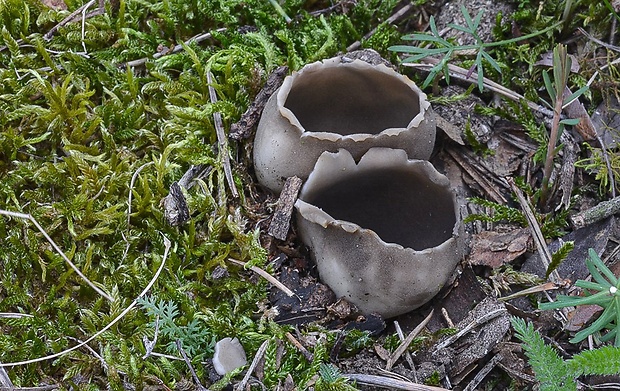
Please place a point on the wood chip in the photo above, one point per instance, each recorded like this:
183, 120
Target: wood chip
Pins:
282, 217
176, 211
242, 129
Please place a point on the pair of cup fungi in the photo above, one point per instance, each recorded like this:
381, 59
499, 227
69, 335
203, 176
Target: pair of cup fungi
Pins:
381, 222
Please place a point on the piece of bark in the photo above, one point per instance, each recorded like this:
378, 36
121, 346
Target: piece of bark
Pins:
567, 173
242, 129
480, 332
176, 211
495, 249
282, 217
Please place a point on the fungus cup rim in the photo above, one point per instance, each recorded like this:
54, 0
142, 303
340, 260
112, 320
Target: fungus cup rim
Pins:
285, 89
316, 215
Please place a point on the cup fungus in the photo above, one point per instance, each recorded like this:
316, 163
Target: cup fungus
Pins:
228, 356
332, 104
385, 233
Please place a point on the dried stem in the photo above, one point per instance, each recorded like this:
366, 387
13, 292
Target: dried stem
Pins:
561, 68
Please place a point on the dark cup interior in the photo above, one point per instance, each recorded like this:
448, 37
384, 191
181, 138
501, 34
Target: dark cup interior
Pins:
347, 100
400, 206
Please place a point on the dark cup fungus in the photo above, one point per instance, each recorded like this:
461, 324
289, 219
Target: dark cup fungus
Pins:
332, 104
385, 233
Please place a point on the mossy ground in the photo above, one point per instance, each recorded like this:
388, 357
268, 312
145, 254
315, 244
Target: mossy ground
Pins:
78, 126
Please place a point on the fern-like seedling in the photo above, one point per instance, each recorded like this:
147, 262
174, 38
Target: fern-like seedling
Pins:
330, 379
447, 49
555, 374
549, 368
604, 292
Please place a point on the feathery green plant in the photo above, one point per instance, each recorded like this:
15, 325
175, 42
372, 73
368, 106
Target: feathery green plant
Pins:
606, 286
555, 374
330, 379
551, 225
447, 49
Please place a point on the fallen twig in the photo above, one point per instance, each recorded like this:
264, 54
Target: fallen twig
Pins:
535, 289
472, 77
274, 281
405, 344
242, 128
539, 239
382, 381
477, 322
483, 372
5, 380
299, 347
599, 212
408, 357
70, 18
199, 385
25, 216
175, 49
393, 18
167, 245
222, 141
257, 357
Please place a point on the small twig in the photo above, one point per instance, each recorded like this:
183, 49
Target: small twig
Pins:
535, 289
40, 388
14, 315
192, 173
222, 141
475, 323
472, 77
393, 18
393, 384
168, 356
401, 336
167, 245
5, 380
539, 239
67, 20
104, 364
259, 356
266, 276
598, 41
483, 372
282, 216
84, 9
190, 366
242, 128
148, 344
58, 250
447, 318
175, 49
599, 212
299, 347
406, 342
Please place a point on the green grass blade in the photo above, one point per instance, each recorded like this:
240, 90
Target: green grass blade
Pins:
602, 267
